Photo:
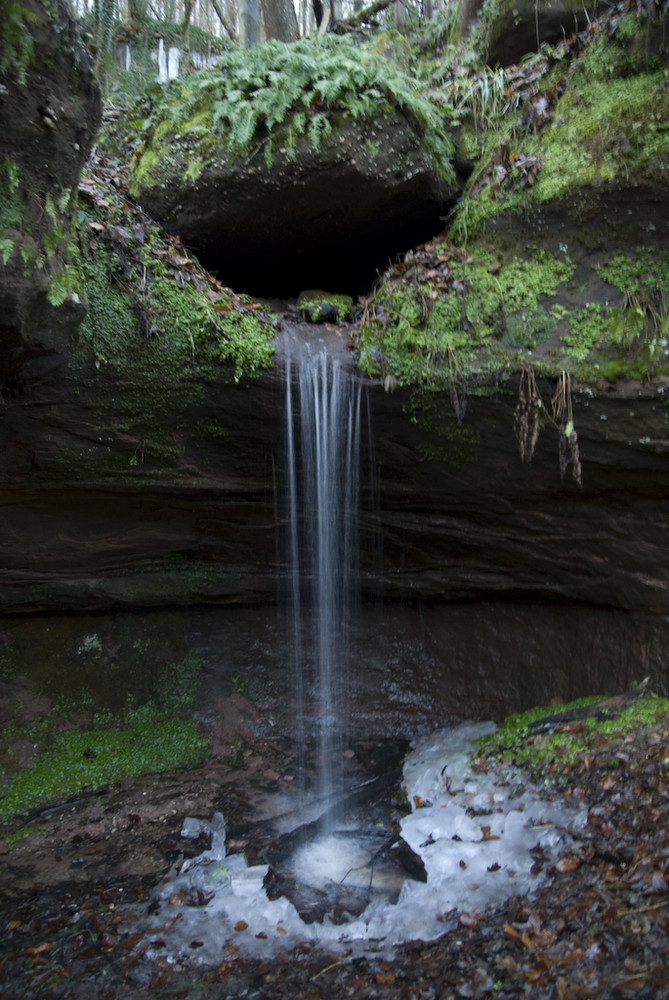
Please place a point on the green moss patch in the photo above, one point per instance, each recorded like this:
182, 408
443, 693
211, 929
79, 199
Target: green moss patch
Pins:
317, 306
550, 751
151, 306
629, 336
154, 312
585, 116
119, 709
605, 128
447, 313
90, 759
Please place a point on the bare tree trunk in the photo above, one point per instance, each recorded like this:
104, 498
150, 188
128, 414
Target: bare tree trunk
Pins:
400, 13
317, 7
363, 16
249, 22
136, 17
103, 32
185, 23
280, 20
222, 18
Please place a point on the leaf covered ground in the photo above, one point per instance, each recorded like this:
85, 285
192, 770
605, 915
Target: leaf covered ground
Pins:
599, 928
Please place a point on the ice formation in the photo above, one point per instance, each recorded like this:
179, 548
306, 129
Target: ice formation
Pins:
479, 835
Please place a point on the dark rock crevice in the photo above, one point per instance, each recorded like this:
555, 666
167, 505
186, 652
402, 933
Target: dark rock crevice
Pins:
319, 255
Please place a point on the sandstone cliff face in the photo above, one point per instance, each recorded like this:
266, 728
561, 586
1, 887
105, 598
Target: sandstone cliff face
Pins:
486, 583
325, 215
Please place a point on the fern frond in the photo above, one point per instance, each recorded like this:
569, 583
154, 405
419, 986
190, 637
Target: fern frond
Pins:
279, 84
318, 127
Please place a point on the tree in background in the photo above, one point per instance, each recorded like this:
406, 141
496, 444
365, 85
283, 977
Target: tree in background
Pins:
136, 18
280, 20
285, 20
249, 22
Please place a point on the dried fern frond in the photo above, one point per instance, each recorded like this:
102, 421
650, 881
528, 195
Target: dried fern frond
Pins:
575, 457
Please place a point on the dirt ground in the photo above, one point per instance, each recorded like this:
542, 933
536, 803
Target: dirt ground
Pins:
599, 928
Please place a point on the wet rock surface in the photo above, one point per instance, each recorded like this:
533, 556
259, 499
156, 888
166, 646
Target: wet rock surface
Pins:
483, 560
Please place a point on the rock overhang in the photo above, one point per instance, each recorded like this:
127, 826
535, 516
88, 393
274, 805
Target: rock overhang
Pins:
333, 215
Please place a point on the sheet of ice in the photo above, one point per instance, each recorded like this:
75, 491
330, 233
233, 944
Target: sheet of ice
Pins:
473, 831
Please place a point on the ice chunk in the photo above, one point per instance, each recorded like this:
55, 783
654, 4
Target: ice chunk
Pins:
217, 849
192, 827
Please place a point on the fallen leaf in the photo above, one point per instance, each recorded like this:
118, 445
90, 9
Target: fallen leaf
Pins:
511, 932
241, 925
37, 949
159, 980
567, 864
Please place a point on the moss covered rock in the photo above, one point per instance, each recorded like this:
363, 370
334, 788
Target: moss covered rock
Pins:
515, 28
49, 112
558, 255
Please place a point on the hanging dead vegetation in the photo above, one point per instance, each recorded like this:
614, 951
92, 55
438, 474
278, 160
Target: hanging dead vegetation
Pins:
529, 413
529, 416
457, 387
563, 418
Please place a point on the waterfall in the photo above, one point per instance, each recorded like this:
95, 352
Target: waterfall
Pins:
323, 486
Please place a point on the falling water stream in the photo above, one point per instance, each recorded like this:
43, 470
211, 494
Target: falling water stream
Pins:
322, 476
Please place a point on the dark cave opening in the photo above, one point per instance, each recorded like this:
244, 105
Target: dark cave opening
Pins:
316, 258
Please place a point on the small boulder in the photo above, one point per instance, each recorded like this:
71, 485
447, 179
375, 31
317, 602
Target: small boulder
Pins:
316, 306
521, 26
